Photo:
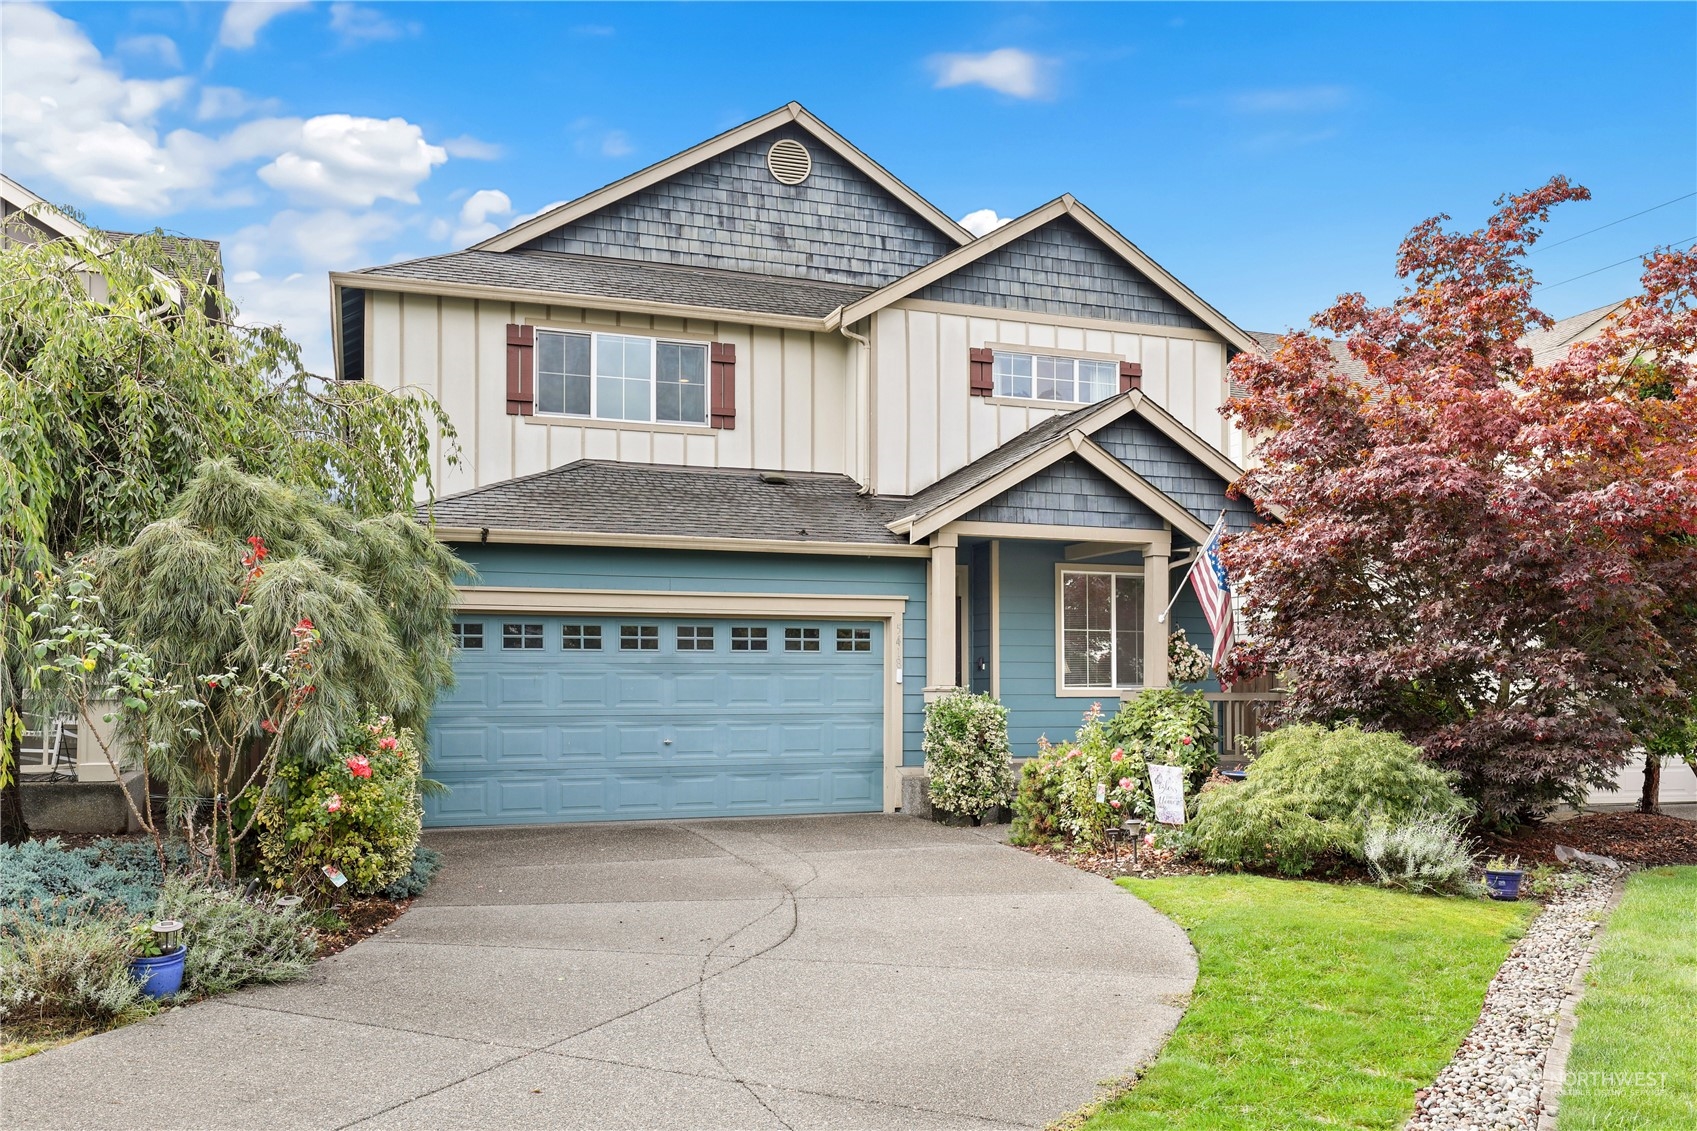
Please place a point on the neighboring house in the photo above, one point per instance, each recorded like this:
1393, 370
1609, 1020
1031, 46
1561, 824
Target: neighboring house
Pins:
761, 449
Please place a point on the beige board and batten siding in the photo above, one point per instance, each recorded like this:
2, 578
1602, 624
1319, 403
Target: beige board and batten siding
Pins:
927, 424
794, 394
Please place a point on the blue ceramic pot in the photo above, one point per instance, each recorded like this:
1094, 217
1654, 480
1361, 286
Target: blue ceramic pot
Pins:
162, 976
1503, 885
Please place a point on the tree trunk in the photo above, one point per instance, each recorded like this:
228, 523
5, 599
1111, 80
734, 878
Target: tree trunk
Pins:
13, 828
1650, 801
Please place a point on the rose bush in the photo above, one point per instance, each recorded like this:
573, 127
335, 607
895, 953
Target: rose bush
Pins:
360, 813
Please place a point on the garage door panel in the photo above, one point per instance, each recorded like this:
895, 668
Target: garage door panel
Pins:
556, 734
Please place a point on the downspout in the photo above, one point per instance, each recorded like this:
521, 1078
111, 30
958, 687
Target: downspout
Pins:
864, 425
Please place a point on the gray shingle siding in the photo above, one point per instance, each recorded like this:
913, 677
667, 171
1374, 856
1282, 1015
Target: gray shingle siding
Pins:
1177, 473
729, 212
1061, 269
1068, 492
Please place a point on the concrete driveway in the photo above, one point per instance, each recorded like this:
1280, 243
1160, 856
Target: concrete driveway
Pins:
867, 971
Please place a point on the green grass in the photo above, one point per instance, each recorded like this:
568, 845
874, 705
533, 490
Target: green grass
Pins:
1316, 1005
1634, 1059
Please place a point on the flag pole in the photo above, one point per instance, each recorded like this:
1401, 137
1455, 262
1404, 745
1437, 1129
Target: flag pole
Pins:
1179, 592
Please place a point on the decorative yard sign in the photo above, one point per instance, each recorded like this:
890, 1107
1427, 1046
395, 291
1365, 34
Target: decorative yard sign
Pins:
1168, 783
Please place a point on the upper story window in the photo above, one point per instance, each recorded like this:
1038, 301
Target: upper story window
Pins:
621, 377
1037, 376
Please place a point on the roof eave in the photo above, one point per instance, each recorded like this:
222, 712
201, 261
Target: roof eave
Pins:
377, 282
520, 536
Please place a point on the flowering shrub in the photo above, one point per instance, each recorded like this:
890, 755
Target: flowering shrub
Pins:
966, 753
361, 813
1077, 791
1186, 663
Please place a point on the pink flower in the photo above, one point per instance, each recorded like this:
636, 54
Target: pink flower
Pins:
1185, 740
1149, 839
1119, 755
360, 766
333, 803
1115, 803
388, 743
1125, 783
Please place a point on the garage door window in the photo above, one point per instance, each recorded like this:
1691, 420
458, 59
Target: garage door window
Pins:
527, 637
748, 638
801, 640
639, 637
695, 638
468, 635
854, 640
580, 637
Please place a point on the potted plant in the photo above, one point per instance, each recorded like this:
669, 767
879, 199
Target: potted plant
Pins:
1502, 878
156, 957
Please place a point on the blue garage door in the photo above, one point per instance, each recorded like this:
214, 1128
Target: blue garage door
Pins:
608, 718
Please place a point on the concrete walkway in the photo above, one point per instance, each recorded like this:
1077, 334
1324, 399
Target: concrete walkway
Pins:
840, 972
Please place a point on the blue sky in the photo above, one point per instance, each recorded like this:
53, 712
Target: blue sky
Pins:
1269, 155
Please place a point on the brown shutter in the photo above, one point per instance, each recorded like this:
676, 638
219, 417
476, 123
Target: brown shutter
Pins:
722, 390
1131, 376
521, 370
983, 381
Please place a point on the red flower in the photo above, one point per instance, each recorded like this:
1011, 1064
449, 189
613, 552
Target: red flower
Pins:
1185, 740
360, 766
388, 742
268, 727
333, 802
1119, 755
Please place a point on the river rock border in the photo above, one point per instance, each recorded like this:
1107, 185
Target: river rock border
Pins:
1498, 1079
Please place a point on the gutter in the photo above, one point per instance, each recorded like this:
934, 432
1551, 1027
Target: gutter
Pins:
486, 535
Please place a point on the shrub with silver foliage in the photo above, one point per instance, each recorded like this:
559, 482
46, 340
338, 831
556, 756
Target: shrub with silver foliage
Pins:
1420, 854
77, 971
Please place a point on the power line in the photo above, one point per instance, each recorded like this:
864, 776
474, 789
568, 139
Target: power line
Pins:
1606, 267
1612, 223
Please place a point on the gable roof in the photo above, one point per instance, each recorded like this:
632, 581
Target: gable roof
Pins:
565, 278
1067, 205
662, 504
793, 112
1551, 344
1052, 440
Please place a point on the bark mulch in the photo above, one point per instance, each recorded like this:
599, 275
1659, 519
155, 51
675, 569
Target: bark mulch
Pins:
364, 918
1150, 862
1632, 838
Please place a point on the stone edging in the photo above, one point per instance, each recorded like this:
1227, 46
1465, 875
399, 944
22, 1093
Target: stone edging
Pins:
1555, 1061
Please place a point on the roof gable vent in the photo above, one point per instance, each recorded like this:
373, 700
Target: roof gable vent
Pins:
789, 161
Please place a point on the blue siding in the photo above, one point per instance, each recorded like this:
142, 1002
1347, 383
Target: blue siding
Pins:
1028, 647
1069, 492
574, 567
979, 615
1061, 269
728, 211
1174, 471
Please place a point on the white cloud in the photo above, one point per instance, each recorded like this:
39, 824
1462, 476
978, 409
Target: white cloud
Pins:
161, 49
616, 144
475, 224
1006, 69
228, 102
244, 19
365, 25
472, 149
1290, 100
341, 159
984, 221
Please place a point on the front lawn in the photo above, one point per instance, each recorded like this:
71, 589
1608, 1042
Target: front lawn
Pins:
1634, 1063
1317, 1005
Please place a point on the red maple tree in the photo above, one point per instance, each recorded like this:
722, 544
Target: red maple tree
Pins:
1496, 557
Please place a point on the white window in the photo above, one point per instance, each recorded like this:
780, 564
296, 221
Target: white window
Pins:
1045, 378
621, 377
1101, 630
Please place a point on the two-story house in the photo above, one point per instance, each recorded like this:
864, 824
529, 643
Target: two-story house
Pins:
760, 449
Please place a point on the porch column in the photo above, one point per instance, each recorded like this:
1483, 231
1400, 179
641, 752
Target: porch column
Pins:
1156, 559
940, 642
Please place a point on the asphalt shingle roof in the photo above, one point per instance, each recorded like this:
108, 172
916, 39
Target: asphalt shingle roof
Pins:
605, 497
602, 277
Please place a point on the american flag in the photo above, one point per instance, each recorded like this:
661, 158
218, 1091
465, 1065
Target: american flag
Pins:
1214, 591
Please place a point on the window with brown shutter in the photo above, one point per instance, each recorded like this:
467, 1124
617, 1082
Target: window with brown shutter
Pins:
723, 393
1131, 376
983, 381
521, 370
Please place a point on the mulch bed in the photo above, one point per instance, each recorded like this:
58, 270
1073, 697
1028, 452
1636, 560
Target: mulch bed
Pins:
365, 917
1150, 862
1631, 838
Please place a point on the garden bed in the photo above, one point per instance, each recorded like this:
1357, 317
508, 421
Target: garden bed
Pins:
1631, 838
363, 918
